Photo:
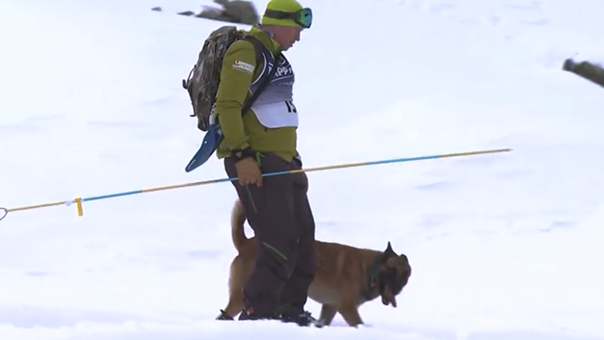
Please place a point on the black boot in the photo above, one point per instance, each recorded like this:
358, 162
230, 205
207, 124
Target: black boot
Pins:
224, 316
298, 316
250, 314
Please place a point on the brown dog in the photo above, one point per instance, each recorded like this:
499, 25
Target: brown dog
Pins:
346, 276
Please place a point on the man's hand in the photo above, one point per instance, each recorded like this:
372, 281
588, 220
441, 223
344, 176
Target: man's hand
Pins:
248, 169
248, 172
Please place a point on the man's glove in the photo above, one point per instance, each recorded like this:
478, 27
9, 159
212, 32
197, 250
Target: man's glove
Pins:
248, 169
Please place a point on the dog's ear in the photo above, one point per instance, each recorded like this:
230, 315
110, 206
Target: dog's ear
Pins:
389, 252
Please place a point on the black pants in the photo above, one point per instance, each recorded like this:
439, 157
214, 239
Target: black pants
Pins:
284, 229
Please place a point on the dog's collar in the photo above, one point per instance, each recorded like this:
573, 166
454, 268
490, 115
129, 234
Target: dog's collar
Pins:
374, 273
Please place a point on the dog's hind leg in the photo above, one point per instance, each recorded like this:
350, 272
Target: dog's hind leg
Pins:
235, 305
328, 312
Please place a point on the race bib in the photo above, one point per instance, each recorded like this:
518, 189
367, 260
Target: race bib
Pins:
275, 115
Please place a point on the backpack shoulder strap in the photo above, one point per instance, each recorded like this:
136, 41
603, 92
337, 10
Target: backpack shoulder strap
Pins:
259, 47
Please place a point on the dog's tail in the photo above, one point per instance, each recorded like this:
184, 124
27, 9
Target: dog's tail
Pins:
237, 220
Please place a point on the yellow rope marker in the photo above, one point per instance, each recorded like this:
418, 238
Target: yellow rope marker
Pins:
78, 202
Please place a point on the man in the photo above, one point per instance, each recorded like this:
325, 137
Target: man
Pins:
264, 140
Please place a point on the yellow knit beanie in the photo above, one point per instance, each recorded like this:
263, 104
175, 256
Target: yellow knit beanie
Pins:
289, 6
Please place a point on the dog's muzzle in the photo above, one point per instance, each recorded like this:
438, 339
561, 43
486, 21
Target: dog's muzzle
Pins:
391, 284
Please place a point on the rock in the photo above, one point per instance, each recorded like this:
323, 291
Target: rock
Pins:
585, 69
186, 13
211, 13
242, 11
234, 11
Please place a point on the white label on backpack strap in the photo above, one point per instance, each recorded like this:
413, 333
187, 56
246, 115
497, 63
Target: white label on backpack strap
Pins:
275, 115
243, 66
213, 117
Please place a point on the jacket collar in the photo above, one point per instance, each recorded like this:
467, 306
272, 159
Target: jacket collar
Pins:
276, 47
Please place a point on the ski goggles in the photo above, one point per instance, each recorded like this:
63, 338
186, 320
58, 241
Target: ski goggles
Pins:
302, 17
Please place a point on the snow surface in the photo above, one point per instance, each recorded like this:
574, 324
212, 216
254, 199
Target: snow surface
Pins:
503, 246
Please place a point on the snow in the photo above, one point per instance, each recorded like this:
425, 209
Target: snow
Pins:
503, 246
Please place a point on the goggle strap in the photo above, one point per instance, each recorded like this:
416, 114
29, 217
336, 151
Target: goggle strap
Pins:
280, 15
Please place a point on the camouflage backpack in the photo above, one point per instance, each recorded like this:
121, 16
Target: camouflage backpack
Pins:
202, 82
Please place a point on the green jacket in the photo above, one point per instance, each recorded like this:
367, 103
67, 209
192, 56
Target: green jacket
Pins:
239, 69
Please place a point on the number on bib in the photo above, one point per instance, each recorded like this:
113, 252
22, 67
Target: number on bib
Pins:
290, 106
